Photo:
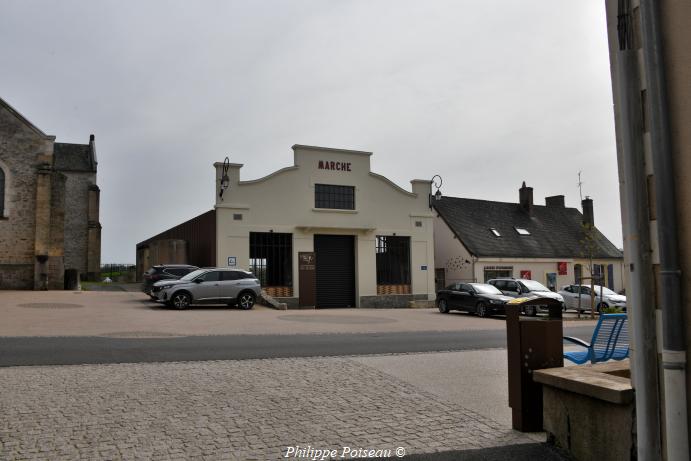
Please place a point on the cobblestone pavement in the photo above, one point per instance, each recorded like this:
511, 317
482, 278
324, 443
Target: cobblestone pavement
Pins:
251, 409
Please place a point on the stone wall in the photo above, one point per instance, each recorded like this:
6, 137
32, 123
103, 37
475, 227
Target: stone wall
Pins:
76, 219
21, 150
93, 255
56, 248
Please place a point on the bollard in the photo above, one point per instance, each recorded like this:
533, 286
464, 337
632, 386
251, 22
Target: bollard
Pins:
533, 343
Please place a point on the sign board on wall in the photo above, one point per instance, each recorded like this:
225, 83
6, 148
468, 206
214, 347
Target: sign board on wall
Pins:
306, 261
562, 268
307, 278
526, 275
232, 261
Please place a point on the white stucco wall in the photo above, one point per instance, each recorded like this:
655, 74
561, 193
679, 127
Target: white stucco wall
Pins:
451, 255
539, 268
283, 201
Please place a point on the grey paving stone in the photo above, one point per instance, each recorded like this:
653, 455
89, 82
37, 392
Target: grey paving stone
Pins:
228, 410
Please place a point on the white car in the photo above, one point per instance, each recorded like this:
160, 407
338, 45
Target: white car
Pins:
604, 297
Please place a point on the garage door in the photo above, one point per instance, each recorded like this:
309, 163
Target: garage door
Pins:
335, 274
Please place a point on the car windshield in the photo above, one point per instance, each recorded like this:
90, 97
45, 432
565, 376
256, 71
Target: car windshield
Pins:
193, 274
485, 288
532, 285
605, 291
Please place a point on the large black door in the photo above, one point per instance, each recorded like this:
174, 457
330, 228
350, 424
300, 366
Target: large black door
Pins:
335, 258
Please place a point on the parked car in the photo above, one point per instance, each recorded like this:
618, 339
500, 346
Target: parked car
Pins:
164, 272
604, 297
479, 298
210, 286
519, 288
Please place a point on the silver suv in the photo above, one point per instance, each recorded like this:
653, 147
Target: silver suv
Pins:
210, 286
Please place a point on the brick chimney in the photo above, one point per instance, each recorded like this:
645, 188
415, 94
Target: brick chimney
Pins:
588, 216
525, 197
555, 201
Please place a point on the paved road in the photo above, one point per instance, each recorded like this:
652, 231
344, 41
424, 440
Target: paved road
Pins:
15, 351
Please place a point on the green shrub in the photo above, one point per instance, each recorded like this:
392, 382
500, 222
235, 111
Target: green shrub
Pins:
612, 310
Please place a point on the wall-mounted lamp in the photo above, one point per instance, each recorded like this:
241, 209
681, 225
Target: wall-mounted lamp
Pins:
437, 182
225, 180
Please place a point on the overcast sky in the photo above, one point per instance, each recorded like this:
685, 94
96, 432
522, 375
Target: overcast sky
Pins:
485, 93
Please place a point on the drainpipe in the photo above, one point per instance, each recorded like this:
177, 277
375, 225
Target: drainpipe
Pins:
674, 341
644, 364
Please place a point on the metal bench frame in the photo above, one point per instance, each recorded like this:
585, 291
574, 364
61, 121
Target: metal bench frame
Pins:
610, 341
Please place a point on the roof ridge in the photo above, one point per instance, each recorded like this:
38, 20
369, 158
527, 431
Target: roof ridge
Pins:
23, 119
508, 203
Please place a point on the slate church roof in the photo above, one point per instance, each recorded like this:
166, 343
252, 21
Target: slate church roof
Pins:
555, 231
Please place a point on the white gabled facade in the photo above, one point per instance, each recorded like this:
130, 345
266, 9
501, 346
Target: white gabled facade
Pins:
284, 202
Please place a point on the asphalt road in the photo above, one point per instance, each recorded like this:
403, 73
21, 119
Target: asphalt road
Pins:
18, 351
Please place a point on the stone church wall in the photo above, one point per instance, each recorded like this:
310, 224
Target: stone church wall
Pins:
21, 150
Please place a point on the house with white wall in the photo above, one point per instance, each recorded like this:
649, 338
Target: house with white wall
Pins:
477, 240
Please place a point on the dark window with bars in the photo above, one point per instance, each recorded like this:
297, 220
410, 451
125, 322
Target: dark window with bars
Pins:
271, 258
393, 260
335, 197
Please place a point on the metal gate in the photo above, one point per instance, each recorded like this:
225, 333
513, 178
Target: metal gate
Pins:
335, 274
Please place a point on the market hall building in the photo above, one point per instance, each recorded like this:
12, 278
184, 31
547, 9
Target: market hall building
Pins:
325, 232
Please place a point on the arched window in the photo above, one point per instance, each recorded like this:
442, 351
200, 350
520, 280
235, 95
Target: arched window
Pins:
2, 193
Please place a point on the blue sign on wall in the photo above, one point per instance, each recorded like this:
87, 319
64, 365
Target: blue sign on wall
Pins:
423, 268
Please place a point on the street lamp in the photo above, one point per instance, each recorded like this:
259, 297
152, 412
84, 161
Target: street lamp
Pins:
225, 180
437, 194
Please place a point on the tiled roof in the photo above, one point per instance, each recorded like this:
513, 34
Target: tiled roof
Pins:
73, 157
555, 232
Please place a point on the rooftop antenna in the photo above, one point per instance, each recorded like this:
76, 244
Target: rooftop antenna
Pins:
580, 185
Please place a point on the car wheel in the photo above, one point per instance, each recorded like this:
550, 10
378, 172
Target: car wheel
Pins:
530, 311
601, 307
443, 307
246, 300
181, 300
481, 309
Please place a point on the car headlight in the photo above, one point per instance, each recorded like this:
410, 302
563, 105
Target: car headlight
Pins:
496, 301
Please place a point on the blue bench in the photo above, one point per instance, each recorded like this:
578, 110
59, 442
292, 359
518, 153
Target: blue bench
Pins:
610, 341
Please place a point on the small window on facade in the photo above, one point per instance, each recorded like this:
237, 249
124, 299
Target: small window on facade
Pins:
2, 193
334, 197
418, 223
237, 216
522, 231
495, 232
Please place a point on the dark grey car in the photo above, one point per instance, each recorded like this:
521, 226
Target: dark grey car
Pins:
162, 272
210, 286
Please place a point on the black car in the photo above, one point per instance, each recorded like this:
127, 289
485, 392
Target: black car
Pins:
165, 272
479, 298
